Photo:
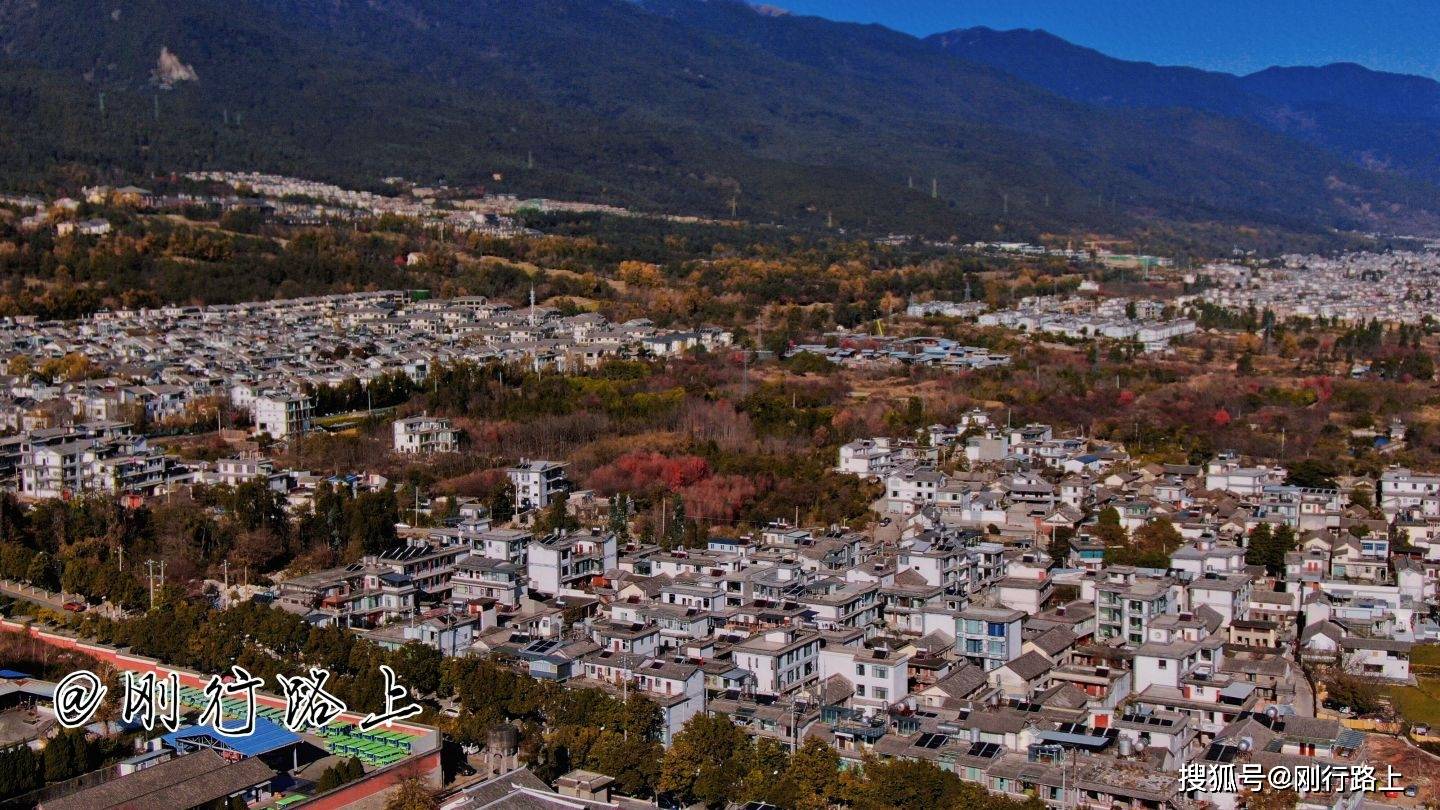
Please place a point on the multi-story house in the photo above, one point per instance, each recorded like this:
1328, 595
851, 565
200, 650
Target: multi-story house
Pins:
782, 660
564, 562
484, 578
282, 414
988, 637
424, 435
537, 482
1126, 601
878, 674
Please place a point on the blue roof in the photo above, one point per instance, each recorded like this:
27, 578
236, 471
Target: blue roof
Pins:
12, 674
269, 736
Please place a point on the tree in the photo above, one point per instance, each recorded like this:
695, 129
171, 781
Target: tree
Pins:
634, 762
1060, 544
1268, 547
502, 504
1315, 473
411, 794
557, 517
768, 761
1363, 497
20, 770
1159, 535
41, 572
1107, 528
706, 761
619, 523
904, 783
813, 778
1347, 690
675, 528
67, 755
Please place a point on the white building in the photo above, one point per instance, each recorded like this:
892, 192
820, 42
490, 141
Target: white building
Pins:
282, 414
536, 482
878, 675
424, 435
782, 660
867, 457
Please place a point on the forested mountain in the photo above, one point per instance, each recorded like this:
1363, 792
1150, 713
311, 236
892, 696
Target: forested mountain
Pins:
1383, 120
683, 105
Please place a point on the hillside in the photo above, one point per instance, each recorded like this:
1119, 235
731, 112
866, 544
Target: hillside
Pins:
680, 105
1373, 118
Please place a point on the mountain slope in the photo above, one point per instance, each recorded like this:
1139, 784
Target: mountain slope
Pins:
1373, 118
684, 105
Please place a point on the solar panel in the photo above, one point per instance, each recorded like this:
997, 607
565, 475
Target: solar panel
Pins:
930, 741
1220, 752
984, 750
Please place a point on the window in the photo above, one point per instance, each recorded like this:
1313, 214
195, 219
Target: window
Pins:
881, 693
996, 629
860, 669
880, 672
973, 645
1164, 664
860, 690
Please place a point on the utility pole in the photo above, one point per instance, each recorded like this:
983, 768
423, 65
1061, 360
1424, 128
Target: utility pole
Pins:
935, 188
150, 575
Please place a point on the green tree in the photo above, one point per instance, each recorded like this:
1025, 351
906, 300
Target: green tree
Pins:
67, 755
1259, 546
619, 523
1107, 528
675, 528
900, 783
633, 761
557, 517
706, 761
813, 777
41, 572
502, 504
1316, 473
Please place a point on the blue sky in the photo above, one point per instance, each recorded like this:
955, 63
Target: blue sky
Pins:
1231, 35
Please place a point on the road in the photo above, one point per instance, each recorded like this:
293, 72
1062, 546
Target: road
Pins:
49, 599
1304, 695
38, 596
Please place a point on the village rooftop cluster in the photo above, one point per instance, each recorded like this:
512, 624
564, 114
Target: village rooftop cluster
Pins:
949, 631
156, 366
1393, 287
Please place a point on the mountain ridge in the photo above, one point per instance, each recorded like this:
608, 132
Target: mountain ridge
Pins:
1371, 117
666, 104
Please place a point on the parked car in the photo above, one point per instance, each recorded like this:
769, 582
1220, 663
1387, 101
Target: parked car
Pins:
74, 607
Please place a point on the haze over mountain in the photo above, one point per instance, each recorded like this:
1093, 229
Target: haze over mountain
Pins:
694, 106
1378, 119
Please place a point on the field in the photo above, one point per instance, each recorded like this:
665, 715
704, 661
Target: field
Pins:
1420, 703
